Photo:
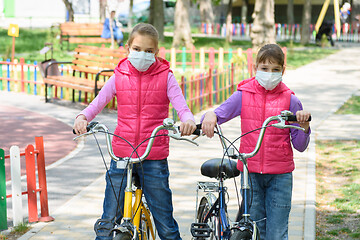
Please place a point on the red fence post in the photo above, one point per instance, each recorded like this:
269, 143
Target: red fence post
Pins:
212, 57
193, 57
39, 143
249, 54
31, 183
162, 53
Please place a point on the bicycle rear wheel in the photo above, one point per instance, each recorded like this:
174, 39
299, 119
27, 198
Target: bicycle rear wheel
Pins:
203, 210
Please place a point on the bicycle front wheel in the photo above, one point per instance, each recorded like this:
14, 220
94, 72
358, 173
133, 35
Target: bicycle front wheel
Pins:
203, 210
245, 234
123, 236
147, 229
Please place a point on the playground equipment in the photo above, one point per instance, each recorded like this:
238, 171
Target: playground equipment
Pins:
322, 15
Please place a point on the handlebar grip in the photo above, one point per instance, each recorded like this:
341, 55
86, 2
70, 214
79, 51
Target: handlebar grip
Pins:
88, 127
197, 131
293, 118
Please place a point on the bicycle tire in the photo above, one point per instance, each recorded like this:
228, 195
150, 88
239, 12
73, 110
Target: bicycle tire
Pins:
204, 207
245, 234
123, 236
241, 235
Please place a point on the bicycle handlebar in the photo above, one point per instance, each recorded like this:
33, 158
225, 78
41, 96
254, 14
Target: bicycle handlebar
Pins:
284, 116
168, 124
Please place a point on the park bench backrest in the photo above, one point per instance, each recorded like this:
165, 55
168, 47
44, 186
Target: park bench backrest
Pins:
81, 29
92, 59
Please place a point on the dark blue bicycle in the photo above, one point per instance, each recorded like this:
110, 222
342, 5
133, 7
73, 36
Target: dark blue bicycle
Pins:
212, 220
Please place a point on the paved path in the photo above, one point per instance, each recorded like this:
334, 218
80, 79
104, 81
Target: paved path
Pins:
21, 126
322, 86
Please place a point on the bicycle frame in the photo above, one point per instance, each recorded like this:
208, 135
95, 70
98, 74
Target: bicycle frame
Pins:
133, 211
218, 208
243, 220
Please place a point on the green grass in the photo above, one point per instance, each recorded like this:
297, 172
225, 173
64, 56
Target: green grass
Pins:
352, 106
338, 189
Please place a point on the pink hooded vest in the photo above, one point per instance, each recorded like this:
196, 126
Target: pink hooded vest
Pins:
142, 105
275, 155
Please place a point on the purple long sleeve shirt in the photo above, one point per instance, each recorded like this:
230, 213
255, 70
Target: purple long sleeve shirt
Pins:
108, 92
232, 108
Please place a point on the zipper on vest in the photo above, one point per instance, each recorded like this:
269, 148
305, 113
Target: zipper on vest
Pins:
138, 113
262, 149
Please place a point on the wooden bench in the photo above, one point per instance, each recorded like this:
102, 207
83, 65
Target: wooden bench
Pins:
72, 32
89, 63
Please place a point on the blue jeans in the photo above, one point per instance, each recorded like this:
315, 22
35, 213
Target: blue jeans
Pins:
271, 204
156, 191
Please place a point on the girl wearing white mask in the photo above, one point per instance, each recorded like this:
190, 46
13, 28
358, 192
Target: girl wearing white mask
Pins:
271, 169
144, 86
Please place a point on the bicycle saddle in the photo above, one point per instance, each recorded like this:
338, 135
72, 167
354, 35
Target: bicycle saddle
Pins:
211, 168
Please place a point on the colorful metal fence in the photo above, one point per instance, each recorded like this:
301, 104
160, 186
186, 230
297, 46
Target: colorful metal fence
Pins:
35, 166
193, 68
348, 32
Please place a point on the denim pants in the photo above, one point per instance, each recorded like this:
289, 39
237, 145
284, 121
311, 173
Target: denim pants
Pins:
156, 191
271, 204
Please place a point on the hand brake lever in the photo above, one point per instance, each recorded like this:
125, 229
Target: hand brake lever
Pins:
177, 135
85, 134
282, 125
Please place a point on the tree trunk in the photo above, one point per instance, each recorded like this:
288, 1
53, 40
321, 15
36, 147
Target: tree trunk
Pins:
130, 20
290, 12
306, 20
262, 31
206, 11
156, 16
70, 10
244, 10
229, 23
182, 30
102, 9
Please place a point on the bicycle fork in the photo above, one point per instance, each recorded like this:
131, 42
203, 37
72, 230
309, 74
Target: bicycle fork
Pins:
135, 213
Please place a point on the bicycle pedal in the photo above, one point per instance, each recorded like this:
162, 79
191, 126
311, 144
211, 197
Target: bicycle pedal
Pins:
200, 230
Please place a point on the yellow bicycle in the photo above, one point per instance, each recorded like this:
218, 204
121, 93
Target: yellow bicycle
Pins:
137, 221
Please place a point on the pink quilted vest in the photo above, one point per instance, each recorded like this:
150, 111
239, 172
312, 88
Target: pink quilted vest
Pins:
142, 105
275, 155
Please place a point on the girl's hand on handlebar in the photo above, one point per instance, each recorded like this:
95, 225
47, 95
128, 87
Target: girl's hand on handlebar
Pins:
208, 124
80, 124
302, 118
187, 128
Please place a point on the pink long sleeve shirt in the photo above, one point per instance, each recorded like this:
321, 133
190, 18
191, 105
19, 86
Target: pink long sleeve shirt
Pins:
108, 92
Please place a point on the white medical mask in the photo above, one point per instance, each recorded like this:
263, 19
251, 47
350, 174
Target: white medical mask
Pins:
269, 80
141, 60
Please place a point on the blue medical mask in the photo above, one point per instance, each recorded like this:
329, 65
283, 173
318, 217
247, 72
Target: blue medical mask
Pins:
269, 80
141, 60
